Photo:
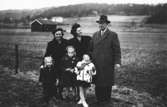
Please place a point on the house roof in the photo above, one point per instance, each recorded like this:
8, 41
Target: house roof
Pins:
46, 22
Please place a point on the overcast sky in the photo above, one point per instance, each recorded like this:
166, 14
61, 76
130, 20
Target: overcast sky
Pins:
34, 4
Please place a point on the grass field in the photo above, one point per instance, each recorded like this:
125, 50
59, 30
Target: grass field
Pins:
144, 51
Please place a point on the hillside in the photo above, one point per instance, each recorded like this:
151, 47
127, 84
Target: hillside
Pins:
93, 9
157, 13
77, 11
18, 14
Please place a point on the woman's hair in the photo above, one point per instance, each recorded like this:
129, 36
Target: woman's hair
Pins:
74, 29
58, 29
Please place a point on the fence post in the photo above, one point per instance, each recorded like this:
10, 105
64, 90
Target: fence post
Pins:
17, 58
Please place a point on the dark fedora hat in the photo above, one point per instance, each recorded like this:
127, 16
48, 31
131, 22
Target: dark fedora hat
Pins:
103, 19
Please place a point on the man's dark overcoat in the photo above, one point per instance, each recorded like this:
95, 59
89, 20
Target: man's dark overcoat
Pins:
105, 53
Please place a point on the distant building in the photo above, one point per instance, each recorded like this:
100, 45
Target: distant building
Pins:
41, 25
57, 19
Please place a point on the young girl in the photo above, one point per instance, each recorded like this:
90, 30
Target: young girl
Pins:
69, 62
85, 71
49, 79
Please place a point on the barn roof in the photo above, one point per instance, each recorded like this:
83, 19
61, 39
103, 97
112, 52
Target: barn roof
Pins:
46, 22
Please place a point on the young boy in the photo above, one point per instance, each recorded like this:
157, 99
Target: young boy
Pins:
85, 71
68, 76
49, 79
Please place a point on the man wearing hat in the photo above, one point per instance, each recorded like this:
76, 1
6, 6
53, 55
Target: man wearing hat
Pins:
106, 55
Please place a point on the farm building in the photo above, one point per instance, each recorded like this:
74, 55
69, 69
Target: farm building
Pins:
41, 25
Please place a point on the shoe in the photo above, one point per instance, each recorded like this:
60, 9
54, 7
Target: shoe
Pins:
107, 104
85, 104
51, 103
79, 102
98, 104
67, 99
76, 99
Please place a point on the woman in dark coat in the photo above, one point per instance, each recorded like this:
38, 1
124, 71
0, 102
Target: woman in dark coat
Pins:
80, 42
106, 56
55, 49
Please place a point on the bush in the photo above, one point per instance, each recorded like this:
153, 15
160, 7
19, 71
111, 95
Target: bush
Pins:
159, 16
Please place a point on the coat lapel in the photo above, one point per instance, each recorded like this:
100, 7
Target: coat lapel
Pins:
100, 38
97, 37
105, 34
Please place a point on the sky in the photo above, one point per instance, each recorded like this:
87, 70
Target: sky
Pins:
36, 4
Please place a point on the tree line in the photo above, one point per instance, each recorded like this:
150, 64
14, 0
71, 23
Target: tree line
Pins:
157, 13
159, 16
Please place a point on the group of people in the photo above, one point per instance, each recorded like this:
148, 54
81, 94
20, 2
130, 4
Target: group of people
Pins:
73, 65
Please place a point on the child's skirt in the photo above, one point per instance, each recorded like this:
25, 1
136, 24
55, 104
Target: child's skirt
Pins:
83, 84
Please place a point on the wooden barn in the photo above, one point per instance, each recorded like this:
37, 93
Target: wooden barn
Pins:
41, 25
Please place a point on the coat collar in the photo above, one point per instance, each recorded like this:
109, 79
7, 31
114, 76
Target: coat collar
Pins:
100, 38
